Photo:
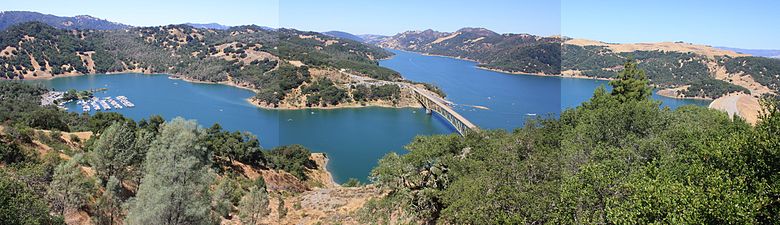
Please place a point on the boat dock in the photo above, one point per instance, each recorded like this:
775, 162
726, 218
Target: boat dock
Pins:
105, 103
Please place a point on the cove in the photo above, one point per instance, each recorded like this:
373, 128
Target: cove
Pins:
353, 139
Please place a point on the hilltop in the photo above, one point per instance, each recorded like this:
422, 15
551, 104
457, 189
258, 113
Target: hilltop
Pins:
344, 35
697, 71
769, 53
82, 22
514, 53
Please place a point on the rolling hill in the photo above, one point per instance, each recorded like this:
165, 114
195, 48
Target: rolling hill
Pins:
690, 70
515, 53
284, 66
83, 22
345, 35
755, 52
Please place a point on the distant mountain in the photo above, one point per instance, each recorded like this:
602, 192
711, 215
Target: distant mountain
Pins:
214, 26
519, 53
755, 52
83, 22
342, 34
373, 38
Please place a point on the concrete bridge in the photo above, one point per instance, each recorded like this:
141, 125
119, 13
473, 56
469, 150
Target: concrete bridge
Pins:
433, 103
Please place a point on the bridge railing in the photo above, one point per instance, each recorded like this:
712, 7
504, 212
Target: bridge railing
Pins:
436, 104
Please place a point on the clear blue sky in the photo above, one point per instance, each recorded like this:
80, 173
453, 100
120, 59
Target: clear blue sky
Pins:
158, 12
732, 23
355, 16
388, 17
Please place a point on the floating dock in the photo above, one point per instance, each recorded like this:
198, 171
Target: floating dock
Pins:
105, 103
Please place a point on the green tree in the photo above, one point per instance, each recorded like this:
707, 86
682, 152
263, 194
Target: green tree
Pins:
12, 154
109, 204
20, 205
114, 152
70, 188
174, 189
631, 83
281, 208
293, 159
223, 198
253, 207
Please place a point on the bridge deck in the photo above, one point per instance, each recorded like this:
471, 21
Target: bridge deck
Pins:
445, 110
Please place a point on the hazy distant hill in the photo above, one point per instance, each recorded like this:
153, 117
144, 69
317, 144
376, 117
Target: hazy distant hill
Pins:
83, 22
521, 53
755, 52
345, 35
214, 26
373, 38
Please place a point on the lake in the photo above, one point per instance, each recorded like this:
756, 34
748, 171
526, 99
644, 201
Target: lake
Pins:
353, 139
511, 98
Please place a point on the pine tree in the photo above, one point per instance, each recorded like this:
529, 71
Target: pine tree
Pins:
254, 206
631, 83
174, 189
70, 188
109, 204
222, 201
114, 152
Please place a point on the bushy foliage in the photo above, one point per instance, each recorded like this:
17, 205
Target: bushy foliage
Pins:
20, 205
174, 189
324, 92
380, 92
293, 159
606, 161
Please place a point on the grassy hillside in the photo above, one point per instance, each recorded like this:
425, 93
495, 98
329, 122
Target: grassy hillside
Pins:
707, 74
83, 22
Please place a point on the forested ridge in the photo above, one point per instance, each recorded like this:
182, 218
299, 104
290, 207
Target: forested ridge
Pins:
10, 18
674, 69
273, 62
523, 53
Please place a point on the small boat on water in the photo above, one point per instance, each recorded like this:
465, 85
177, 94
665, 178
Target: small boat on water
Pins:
530, 114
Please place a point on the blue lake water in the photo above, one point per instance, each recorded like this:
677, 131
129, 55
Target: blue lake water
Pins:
353, 139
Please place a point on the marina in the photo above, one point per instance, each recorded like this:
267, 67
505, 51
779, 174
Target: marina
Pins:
105, 103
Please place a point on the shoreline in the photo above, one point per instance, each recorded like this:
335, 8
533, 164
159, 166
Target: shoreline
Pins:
231, 84
504, 71
339, 106
666, 93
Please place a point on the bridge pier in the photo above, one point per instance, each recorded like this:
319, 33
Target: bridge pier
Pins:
432, 103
